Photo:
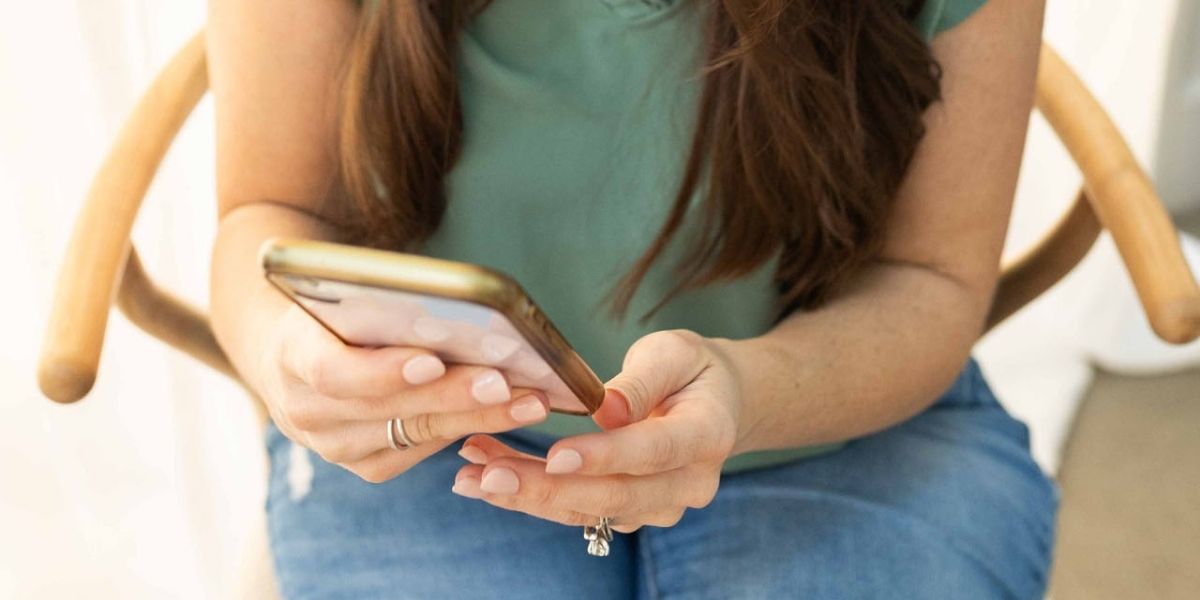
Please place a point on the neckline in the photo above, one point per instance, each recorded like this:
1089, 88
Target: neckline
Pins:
639, 9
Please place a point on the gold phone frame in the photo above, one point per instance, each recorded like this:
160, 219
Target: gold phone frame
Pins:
435, 277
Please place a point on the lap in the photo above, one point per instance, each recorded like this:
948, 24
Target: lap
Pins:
338, 536
946, 504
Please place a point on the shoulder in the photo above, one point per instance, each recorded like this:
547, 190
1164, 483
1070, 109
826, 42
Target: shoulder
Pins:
939, 15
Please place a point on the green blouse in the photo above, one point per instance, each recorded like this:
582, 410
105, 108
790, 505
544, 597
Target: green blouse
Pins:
577, 121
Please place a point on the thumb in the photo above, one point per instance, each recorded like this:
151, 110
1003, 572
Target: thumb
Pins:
656, 366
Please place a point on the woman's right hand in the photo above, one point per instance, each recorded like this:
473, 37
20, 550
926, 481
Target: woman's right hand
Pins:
336, 399
277, 135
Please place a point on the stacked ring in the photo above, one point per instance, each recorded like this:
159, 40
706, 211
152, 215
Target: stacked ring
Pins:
398, 438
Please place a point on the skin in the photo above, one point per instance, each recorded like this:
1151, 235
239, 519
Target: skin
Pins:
878, 354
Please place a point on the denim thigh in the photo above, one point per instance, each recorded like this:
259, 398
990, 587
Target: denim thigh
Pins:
947, 504
334, 535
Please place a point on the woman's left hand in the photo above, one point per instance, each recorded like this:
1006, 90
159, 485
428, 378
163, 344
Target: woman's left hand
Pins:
671, 418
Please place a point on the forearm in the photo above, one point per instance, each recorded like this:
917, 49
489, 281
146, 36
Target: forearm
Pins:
243, 304
889, 346
876, 355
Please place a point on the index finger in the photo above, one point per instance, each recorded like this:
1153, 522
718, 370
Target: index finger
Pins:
651, 446
337, 370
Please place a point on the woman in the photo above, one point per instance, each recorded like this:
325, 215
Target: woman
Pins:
775, 225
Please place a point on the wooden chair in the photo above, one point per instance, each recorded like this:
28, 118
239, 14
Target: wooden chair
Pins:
100, 260
101, 266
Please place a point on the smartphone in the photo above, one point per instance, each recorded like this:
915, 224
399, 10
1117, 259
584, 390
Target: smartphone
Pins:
464, 313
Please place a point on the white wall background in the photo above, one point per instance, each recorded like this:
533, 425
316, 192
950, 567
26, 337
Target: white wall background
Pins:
1042, 360
150, 487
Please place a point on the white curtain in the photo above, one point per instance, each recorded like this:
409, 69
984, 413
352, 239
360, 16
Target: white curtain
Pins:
150, 487
153, 485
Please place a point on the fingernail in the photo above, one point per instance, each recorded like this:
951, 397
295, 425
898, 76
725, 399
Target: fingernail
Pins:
423, 369
564, 461
614, 411
500, 481
467, 487
528, 409
473, 455
490, 388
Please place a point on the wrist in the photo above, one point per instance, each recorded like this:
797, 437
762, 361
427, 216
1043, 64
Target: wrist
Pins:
248, 330
744, 360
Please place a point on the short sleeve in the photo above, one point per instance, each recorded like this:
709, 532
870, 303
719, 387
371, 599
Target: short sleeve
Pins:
939, 15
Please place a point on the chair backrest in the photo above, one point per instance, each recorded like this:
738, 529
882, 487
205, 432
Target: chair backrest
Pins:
1117, 196
1123, 200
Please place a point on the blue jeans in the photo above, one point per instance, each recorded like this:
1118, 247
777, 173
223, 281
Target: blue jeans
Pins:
948, 504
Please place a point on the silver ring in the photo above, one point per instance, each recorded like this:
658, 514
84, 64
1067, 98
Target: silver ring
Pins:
403, 435
598, 537
397, 437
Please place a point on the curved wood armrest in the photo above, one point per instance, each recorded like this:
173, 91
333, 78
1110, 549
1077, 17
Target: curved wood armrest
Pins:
1124, 201
173, 321
167, 318
96, 255
1048, 262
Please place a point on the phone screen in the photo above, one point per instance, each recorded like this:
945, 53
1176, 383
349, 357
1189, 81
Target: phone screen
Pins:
458, 331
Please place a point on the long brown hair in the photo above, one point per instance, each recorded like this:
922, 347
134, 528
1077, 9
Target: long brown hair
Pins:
810, 114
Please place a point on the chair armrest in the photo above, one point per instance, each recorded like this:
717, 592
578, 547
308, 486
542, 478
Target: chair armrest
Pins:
1124, 200
167, 318
173, 321
1047, 262
96, 255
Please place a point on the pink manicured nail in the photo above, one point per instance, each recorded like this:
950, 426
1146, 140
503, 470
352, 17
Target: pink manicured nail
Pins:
490, 388
528, 409
500, 481
473, 455
467, 487
564, 461
423, 369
